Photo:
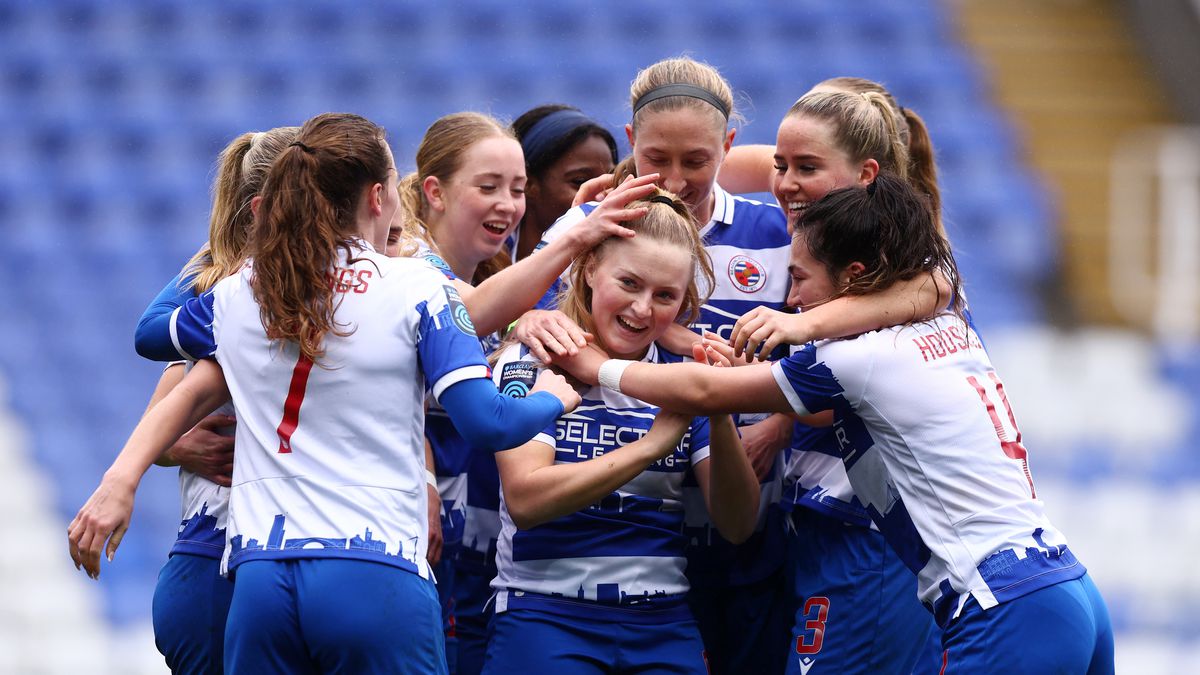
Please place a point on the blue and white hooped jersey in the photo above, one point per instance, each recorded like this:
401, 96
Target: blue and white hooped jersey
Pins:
330, 456
931, 448
814, 477
750, 249
627, 547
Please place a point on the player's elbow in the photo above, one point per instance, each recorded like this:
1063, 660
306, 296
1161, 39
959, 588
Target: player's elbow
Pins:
524, 514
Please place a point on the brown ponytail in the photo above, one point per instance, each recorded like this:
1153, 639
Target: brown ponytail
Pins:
306, 218
922, 171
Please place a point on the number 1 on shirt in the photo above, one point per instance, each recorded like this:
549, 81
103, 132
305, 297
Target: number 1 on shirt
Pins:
291, 406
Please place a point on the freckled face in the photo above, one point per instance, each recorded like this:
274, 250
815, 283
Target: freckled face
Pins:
482, 202
638, 287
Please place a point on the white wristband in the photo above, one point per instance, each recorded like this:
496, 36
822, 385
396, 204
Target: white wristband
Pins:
610, 373
430, 479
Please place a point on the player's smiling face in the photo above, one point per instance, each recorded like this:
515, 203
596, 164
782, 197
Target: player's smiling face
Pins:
481, 203
813, 282
809, 164
685, 147
638, 287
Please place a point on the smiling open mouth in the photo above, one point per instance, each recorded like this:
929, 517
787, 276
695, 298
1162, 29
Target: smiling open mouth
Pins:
628, 326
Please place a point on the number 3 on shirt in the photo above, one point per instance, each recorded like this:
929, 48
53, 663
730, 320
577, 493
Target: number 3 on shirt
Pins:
1011, 448
291, 406
813, 637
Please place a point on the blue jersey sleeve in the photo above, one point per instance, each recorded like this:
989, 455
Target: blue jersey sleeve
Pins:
155, 321
807, 382
698, 440
491, 421
447, 347
189, 332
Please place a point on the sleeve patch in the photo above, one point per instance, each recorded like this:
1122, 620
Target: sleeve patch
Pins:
517, 378
458, 311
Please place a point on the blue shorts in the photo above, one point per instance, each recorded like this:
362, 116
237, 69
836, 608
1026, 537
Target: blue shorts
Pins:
191, 603
745, 628
331, 615
472, 614
597, 640
444, 573
1062, 628
856, 606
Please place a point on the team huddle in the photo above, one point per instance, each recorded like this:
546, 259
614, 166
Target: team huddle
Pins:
533, 408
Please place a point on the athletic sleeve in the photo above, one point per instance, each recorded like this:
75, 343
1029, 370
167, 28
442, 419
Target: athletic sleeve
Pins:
807, 382
492, 421
186, 332
155, 321
190, 329
447, 347
425, 253
698, 440
515, 374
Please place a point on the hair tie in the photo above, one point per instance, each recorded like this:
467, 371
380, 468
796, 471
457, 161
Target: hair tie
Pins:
550, 130
302, 146
662, 199
689, 90
871, 188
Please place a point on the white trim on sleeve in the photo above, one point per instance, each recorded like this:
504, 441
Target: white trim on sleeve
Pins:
785, 386
455, 376
175, 336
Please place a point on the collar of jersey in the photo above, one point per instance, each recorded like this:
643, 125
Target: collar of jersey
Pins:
362, 244
722, 209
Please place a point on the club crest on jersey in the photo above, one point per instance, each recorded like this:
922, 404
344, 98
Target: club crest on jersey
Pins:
517, 378
746, 274
458, 311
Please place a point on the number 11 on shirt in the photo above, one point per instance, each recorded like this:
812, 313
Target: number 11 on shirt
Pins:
1012, 448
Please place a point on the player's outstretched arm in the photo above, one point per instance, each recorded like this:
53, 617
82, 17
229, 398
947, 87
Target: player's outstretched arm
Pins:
205, 450
433, 554
692, 388
536, 490
102, 521
491, 421
499, 300
760, 330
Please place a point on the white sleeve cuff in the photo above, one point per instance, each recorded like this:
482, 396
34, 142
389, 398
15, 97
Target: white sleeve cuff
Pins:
785, 386
455, 376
